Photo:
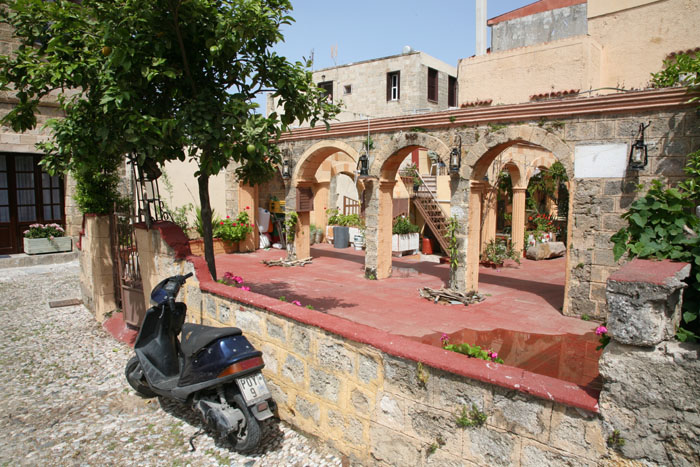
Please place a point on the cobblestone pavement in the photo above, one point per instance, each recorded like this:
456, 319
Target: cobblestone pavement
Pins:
64, 399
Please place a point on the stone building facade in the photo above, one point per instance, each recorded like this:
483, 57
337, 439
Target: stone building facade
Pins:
365, 88
575, 46
26, 194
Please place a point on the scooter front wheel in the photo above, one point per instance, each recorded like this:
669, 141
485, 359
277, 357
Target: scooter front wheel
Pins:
137, 380
247, 437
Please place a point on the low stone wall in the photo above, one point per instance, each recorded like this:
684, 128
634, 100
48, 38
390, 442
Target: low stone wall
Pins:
382, 399
363, 391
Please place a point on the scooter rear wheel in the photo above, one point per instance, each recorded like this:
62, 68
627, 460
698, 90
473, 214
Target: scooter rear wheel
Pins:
248, 437
137, 380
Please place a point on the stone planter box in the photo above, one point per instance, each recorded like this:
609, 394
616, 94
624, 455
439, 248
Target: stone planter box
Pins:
405, 243
220, 247
36, 246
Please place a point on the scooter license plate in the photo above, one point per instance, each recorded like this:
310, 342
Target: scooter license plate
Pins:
253, 388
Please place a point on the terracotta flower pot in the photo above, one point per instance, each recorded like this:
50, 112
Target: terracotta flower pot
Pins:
230, 247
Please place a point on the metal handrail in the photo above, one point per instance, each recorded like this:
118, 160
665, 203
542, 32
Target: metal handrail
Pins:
431, 194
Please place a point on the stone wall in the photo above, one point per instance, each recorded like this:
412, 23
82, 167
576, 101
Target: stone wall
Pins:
652, 393
383, 400
96, 274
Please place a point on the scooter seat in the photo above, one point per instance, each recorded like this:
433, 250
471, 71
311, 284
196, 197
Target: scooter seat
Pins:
197, 336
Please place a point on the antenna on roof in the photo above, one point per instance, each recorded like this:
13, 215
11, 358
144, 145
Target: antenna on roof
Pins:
312, 59
334, 54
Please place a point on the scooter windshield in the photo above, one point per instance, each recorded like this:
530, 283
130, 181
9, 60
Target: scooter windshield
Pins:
159, 294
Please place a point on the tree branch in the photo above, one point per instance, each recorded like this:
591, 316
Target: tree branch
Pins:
186, 63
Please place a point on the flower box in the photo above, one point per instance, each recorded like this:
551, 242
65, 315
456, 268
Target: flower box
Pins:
197, 247
35, 246
404, 243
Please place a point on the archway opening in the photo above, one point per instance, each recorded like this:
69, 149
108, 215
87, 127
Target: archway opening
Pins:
519, 193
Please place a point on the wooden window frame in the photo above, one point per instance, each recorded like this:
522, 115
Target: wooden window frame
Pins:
433, 85
390, 87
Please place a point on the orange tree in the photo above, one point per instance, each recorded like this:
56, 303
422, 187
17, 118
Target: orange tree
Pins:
158, 80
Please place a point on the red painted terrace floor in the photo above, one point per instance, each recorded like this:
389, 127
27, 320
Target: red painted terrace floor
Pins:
520, 318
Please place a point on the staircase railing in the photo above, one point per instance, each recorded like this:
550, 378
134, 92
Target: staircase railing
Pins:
427, 204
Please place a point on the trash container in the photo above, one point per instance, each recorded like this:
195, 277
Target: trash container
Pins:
427, 246
341, 237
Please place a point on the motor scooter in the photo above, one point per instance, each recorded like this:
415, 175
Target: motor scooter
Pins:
215, 370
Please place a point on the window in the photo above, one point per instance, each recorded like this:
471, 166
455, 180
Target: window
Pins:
328, 87
432, 85
393, 86
451, 91
347, 89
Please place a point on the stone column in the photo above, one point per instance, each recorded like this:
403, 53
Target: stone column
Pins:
488, 228
518, 220
320, 204
476, 191
384, 226
302, 242
96, 273
248, 201
650, 390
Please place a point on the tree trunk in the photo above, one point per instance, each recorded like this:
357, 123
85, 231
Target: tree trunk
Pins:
207, 234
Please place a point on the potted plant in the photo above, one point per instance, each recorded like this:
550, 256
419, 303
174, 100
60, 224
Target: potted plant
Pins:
232, 231
197, 244
497, 252
404, 235
411, 177
544, 229
49, 238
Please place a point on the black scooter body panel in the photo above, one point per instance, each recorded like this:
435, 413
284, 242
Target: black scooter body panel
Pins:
211, 360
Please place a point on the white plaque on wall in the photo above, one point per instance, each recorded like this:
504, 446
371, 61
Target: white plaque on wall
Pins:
600, 160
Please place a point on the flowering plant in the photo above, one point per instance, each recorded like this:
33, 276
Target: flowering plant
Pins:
44, 231
233, 281
602, 331
473, 351
234, 230
543, 222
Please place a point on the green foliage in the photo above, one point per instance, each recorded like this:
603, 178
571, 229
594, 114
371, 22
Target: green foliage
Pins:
180, 215
615, 440
452, 228
470, 418
403, 226
496, 252
496, 126
548, 182
411, 170
290, 225
44, 231
234, 230
473, 351
675, 68
662, 225
160, 80
345, 220
198, 225
439, 442
422, 375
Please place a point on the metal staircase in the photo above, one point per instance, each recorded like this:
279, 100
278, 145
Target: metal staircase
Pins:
424, 199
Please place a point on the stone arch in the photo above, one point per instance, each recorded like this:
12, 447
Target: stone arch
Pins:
311, 158
388, 158
346, 168
542, 161
480, 155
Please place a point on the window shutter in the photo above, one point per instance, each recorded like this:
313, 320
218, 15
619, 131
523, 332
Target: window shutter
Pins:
388, 86
305, 199
398, 85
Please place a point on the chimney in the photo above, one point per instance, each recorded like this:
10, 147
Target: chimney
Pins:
480, 27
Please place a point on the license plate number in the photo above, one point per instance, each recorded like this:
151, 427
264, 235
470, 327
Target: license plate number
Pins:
253, 388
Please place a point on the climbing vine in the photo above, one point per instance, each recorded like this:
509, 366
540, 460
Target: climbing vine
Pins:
452, 228
290, 225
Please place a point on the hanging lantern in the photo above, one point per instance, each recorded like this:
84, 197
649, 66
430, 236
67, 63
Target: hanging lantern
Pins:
455, 156
638, 152
363, 165
286, 170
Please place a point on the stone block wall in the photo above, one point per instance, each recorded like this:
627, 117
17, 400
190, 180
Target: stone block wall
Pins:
373, 407
598, 203
96, 274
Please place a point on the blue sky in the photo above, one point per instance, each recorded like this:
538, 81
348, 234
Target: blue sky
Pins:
366, 29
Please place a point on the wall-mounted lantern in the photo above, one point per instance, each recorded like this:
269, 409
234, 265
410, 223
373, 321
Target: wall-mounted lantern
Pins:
456, 156
638, 152
286, 168
363, 165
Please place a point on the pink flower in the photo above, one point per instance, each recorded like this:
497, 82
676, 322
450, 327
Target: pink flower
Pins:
252, 224
444, 339
235, 225
247, 207
493, 355
246, 288
297, 302
222, 222
600, 330
228, 217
